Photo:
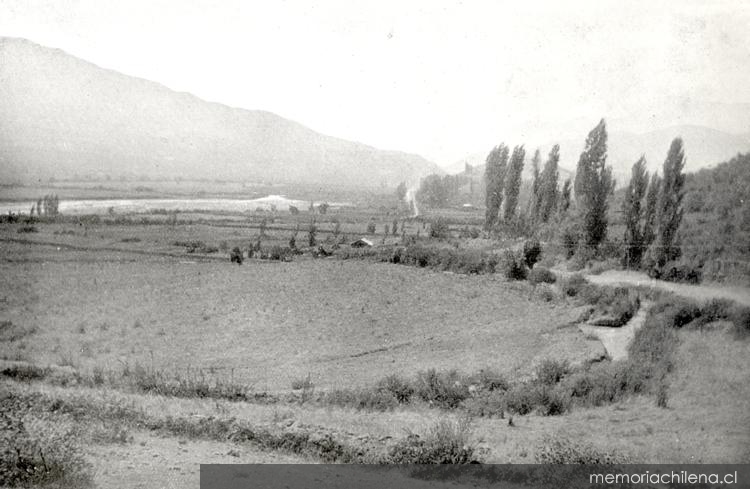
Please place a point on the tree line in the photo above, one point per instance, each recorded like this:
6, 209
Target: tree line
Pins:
652, 208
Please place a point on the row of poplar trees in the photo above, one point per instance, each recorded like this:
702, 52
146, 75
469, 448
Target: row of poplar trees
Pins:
652, 208
503, 182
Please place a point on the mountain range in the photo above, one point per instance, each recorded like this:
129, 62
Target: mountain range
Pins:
62, 116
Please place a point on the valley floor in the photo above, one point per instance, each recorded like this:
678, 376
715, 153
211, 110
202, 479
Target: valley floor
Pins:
338, 324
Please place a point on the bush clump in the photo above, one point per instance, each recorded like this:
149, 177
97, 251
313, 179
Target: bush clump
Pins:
235, 256
27, 228
38, 449
550, 371
572, 285
532, 249
740, 318
558, 450
446, 443
445, 390
514, 267
540, 274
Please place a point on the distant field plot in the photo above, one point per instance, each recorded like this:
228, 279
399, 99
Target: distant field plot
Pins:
341, 322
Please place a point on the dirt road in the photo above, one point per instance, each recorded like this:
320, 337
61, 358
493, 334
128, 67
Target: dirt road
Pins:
699, 292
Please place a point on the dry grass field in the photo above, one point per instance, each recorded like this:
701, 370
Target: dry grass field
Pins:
122, 297
342, 322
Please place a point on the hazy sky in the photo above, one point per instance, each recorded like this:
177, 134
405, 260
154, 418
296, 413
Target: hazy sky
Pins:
439, 78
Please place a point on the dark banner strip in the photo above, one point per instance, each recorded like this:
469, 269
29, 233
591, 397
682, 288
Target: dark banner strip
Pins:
472, 476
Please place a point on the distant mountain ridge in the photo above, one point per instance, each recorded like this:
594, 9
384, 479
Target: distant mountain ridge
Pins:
60, 115
704, 147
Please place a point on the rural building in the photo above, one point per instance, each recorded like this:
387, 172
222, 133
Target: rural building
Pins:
361, 243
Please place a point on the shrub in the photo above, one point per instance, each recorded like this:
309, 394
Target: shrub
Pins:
469, 232
522, 398
196, 247
531, 252
572, 285
594, 387
439, 228
236, 256
39, 450
486, 404
740, 318
279, 253
653, 344
490, 380
550, 372
371, 227
28, 228
540, 274
443, 390
679, 272
558, 450
134, 239
25, 372
514, 267
399, 388
445, 443
570, 238
616, 305
552, 401
676, 311
190, 385
302, 383
545, 292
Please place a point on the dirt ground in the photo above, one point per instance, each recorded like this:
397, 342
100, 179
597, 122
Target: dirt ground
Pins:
264, 323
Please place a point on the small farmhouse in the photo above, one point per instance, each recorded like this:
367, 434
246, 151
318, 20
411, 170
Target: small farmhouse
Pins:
361, 243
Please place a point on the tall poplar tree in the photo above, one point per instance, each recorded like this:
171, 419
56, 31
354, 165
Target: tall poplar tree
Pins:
593, 185
513, 182
494, 178
632, 208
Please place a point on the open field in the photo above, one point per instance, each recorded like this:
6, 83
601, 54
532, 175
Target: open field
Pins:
107, 299
342, 322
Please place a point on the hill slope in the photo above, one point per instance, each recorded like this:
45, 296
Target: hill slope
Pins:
62, 116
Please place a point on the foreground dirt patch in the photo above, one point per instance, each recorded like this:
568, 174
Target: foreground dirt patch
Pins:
152, 461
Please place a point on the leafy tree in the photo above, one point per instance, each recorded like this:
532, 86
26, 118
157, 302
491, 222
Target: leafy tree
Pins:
593, 185
401, 191
513, 182
548, 185
434, 191
323, 207
669, 208
293, 238
632, 212
534, 204
565, 196
494, 177
649, 215
312, 230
